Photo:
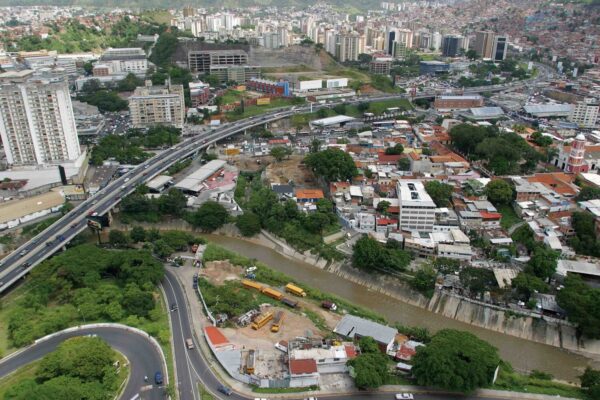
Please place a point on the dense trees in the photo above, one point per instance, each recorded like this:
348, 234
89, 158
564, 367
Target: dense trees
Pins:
395, 149
164, 48
527, 284
248, 223
80, 368
105, 99
209, 217
332, 165
503, 154
585, 240
85, 282
542, 262
588, 193
370, 367
301, 230
455, 360
370, 255
590, 381
138, 207
441, 193
582, 304
280, 152
424, 280
499, 192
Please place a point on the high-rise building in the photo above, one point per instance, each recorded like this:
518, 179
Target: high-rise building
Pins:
500, 47
151, 105
189, 11
398, 41
347, 46
125, 60
417, 209
585, 113
484, 44
201, 60
37, 125
451, 45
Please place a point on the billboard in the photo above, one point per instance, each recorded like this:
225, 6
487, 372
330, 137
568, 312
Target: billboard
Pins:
310, 85
263, 101
337, 83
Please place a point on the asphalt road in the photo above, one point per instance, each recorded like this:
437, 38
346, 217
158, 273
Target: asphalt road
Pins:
19, 262
143, 357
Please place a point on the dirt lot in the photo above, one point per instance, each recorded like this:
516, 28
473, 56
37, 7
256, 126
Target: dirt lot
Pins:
290, 169
249, 164
218, 272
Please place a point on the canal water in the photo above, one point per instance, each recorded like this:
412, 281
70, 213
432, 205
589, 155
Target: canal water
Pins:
522, 354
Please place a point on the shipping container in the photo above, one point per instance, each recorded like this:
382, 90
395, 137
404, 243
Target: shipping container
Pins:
262, 320
298, 291
248, 284
272, 293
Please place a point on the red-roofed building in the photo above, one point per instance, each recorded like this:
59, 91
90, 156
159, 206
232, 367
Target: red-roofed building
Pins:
490, 219
308, 195
405, 353
560, 182
386, 224
216, 339
303, 373
285, 142
350, 351
339, 187
388, 159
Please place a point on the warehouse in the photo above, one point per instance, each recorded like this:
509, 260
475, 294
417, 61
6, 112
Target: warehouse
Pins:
338, 120
354, 328
194, 182
160, 183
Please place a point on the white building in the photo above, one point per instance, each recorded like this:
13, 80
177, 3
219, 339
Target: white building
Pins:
150, 105
585, 113
417, 210
125, 60
37, 124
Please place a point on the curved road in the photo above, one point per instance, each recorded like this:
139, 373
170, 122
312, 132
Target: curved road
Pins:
144, 358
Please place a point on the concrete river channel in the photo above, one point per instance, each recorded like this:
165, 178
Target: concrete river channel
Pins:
524, 355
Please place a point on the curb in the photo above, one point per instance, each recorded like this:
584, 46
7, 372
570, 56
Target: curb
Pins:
176, 384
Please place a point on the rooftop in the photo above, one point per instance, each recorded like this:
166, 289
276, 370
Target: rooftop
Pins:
302, 367
350, 326
338, 119
413, 192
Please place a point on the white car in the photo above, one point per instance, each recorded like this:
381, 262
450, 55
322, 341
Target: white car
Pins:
404, 396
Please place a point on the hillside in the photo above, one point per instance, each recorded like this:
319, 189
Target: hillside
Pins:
145, 4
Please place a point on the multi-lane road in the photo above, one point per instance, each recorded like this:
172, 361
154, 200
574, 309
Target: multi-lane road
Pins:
190, 365
144, 358
22, 260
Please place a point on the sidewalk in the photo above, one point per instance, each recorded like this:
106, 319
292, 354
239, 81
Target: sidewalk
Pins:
199, 320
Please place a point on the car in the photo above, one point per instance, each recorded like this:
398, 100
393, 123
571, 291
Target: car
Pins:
173, 307
404, 396
310, 398
225, 390
158, 378
22, 253
49, 243
74, 225
25, 265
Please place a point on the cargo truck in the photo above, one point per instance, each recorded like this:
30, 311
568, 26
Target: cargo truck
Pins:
273, 293
262, 320
277, 321
248, 284
250, 362
293, 289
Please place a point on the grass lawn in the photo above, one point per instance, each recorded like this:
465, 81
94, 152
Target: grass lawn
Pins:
509, 216
510, 380
204, 395
157, 16
286, 69
8, 302
378, 107
34, 229
251, 111
231, 96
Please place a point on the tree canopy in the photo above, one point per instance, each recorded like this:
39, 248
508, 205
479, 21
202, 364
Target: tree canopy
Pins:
503, 154
441, 193
588, 193
248, 223
370, 367
455, 360
332, 165
80, 368
585, 240
499, 192
582, 304
209, 217
543, 262
395, 149
370, 255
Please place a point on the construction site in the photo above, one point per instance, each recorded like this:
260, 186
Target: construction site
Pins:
272, 335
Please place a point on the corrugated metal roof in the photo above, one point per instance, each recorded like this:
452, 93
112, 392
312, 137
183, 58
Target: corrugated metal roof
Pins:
351, 326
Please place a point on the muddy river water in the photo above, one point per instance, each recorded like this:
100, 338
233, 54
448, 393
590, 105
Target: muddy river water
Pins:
522, 354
